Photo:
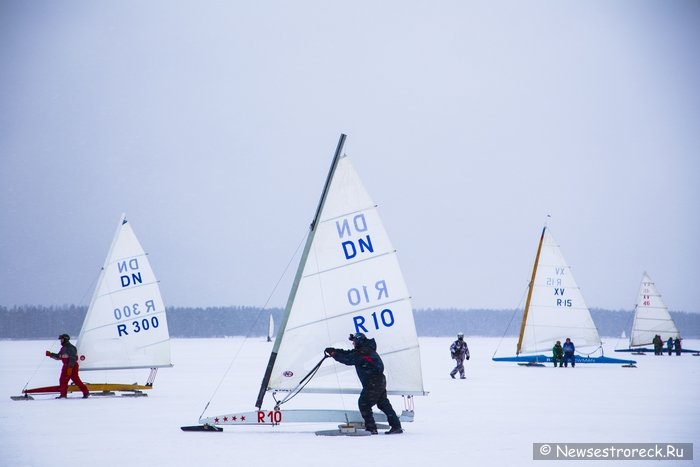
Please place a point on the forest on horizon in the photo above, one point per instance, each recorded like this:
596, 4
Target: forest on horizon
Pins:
39, 322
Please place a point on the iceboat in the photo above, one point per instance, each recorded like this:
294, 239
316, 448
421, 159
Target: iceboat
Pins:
348, 280
554, 310
651, 318
125, 326
270, 328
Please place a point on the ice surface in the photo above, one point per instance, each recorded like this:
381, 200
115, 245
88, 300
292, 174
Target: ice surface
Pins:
491, 418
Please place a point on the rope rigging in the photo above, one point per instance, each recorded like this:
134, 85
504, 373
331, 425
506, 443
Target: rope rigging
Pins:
253, 325
516, 311
304, 381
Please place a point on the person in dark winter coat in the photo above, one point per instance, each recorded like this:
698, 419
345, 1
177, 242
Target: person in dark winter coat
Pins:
678, 346
459, 351
558, 355
658, 345
370, 371
69, 356
569, 349
669, 344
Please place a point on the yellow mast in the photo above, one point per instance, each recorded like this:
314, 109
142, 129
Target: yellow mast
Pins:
529, 292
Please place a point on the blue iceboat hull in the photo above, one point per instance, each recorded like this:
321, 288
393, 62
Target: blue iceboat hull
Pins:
531, 359
664, 351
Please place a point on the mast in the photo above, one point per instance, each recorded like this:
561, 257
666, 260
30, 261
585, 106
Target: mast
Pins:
529, 292
300, 269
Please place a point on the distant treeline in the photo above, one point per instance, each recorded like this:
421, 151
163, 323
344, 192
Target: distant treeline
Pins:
39, 322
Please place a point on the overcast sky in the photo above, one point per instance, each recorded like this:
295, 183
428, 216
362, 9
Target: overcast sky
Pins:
212, 125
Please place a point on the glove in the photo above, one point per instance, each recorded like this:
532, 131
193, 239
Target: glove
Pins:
453, 356
48, 354
69, 371
330, 351
467, 357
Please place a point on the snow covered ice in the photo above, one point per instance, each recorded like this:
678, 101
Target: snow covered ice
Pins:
491, 418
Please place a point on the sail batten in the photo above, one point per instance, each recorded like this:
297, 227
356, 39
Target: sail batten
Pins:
116, 292
315, 273
333, 219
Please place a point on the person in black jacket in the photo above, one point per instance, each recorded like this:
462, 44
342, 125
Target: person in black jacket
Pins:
370, 370
677, 344
569, 349
69, 371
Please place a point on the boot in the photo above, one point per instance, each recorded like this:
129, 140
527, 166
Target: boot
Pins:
394, 431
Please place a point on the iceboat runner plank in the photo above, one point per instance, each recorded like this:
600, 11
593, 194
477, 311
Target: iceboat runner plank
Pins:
92, 387
278, 417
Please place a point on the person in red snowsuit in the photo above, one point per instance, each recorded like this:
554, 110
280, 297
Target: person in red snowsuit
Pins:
69, 356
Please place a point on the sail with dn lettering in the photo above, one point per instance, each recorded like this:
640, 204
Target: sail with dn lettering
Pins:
554, 310
348, 281
126, 327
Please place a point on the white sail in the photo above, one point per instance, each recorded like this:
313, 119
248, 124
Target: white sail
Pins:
557, 309
270, 328
651, 316
350, 282
125, 325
